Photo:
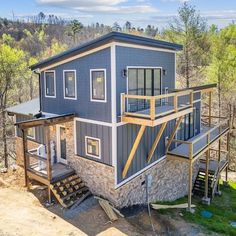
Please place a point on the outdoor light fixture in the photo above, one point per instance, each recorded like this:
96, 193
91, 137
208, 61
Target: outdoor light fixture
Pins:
164, 72
124, 73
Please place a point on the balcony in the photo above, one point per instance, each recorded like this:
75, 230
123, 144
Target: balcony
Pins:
199, 144
155, 110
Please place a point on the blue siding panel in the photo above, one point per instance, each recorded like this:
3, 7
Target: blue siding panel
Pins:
126, 135
126, 56
97, 131
39, 130
82, 107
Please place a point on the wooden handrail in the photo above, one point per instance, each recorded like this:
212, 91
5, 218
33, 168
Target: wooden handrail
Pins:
36, 156
152, 102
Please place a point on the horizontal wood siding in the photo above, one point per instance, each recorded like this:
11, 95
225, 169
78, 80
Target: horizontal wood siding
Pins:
39, 131
82, 106
126, 135
104, 133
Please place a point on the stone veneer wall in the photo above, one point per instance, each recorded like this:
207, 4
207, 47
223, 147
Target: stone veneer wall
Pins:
169, 178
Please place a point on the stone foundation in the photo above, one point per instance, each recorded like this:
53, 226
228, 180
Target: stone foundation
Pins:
169, 181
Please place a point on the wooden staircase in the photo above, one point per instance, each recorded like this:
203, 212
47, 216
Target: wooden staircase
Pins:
70, 191
214, 172
199, 185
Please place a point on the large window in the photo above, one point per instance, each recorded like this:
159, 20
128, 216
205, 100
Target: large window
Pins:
93, 147
50, 84
98, 85
70, 84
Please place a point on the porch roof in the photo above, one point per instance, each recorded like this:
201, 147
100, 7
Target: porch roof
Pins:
46, 120
29, 108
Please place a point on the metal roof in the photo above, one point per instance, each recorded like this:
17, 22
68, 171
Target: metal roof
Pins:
31, 107
112, 36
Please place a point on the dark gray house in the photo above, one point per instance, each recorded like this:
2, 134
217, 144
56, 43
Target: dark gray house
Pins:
109, 114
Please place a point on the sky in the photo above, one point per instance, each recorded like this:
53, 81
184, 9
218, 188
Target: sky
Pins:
138, 12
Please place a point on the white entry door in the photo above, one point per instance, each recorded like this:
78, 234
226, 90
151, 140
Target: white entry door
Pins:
61, 144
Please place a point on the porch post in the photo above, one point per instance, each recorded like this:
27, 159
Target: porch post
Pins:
206, 172
49, 165
190, 185
210, 101
25, 149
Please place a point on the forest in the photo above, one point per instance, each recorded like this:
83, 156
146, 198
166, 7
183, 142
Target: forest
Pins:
208, 56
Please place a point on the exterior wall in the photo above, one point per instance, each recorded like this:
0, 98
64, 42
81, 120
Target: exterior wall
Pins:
126, 56
96, 131
169, 182
82, 107
126, 135
39, 132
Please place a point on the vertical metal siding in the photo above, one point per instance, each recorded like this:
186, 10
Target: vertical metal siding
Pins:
126, 56
39, 131
104, 133
82, 107
126, 135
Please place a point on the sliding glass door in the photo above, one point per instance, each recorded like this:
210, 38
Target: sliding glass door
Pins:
143, 81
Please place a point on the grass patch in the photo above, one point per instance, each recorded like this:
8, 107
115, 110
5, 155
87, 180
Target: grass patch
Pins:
222, 207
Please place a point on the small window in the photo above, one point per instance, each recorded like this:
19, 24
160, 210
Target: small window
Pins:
70, 84
31, 133
92, 146
50, 84
98, 85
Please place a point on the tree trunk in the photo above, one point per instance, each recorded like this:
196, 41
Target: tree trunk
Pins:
4, 138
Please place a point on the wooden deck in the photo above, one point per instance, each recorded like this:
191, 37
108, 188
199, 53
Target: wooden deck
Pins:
198, 143
59, 171
156, 112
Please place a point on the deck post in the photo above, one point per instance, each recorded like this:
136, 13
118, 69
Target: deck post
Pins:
228, 156
190, 186
25, 149
206, 173
133, 150
152, 108
49, 165
123, 104
210, 101
176, 103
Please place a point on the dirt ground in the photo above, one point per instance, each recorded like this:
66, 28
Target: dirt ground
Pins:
24, 213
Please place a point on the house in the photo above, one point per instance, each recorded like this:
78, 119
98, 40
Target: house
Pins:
109, 112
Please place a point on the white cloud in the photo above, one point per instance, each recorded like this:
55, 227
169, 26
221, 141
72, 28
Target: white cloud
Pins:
119, 9
101, 6
80, 3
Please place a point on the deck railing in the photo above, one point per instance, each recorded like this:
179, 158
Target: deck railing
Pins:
207, 138
152, 106
36, 163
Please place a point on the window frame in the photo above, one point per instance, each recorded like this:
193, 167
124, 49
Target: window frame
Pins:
34, 134
45, 88
91, 86
64, 85
99, 146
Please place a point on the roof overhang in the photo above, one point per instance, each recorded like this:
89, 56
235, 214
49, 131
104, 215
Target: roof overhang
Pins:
45, 121
106, 39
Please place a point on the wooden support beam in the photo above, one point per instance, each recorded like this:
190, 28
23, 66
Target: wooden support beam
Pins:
133, 150
49, 164
25, 149
156, 141
207, 172
190, 186
210, 106
174, 132
228, 155
152, 108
